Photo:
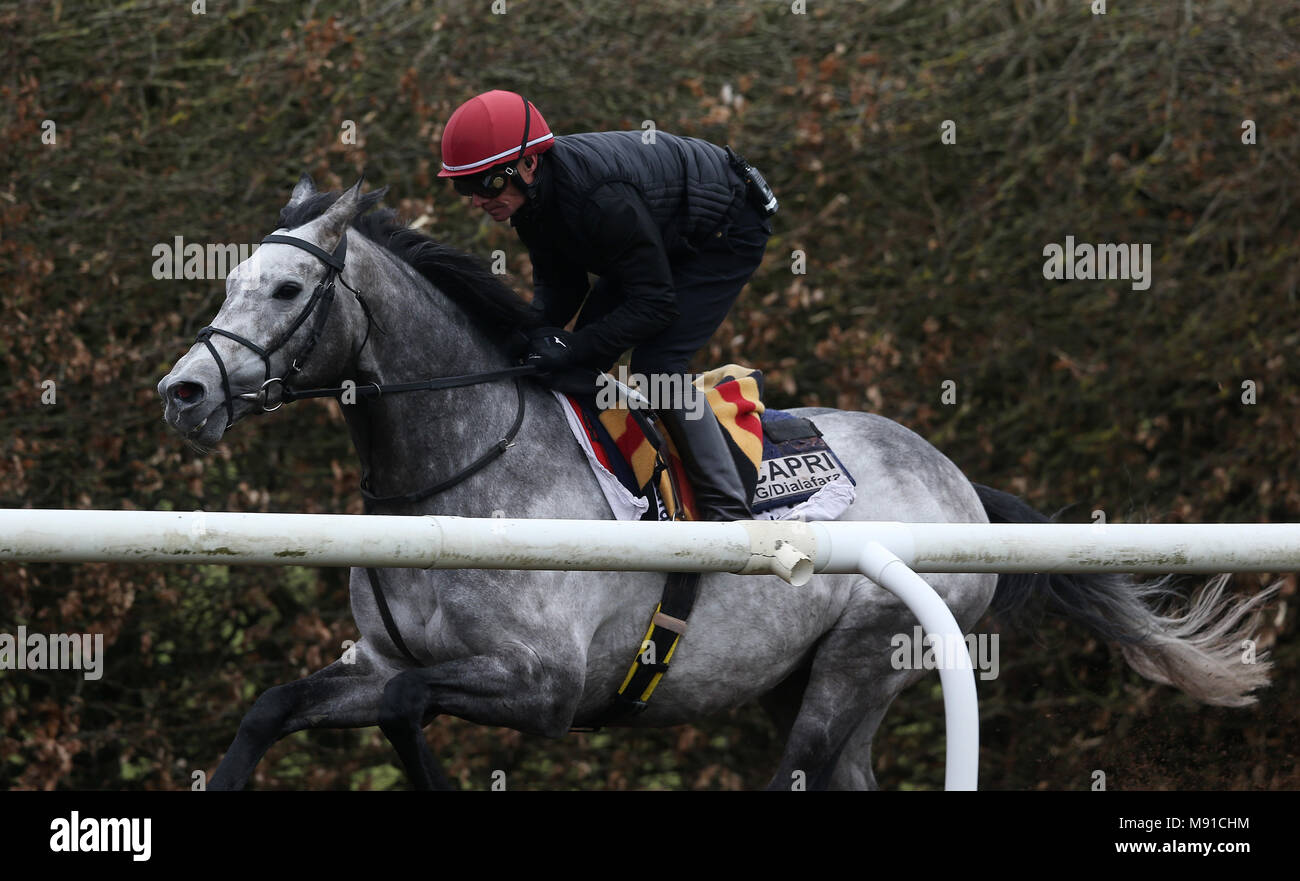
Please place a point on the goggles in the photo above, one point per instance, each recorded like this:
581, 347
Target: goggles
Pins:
489, 185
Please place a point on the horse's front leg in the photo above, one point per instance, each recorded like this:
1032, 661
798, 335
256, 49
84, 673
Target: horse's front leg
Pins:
346, 694
510, 688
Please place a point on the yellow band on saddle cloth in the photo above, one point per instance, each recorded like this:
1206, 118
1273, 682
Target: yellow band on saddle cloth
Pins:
734, 393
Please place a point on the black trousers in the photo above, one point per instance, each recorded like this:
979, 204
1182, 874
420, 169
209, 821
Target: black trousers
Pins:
707, 283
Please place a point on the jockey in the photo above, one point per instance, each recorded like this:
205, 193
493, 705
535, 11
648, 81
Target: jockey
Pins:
669, 225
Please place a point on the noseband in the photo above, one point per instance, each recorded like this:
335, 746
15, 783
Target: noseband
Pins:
322, 296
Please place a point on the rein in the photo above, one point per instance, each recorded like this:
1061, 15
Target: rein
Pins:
324, 294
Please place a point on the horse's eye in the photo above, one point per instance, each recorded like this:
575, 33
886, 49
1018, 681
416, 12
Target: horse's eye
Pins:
287, 291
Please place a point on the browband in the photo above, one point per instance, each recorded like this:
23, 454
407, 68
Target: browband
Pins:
334, 260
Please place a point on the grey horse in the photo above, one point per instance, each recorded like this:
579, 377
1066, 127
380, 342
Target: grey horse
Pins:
543, 652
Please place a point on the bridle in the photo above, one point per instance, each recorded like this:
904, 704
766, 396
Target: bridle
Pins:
323, 297
323, 294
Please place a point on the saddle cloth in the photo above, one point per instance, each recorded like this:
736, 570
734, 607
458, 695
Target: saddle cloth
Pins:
785, 464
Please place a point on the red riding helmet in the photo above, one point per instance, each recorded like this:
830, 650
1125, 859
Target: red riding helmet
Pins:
490, 129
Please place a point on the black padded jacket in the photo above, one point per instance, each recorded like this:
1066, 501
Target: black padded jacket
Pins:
624, 208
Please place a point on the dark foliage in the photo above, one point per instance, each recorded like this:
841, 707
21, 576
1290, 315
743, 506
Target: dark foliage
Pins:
922, 272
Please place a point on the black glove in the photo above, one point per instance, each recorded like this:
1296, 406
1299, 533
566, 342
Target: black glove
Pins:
550, 348
555, 353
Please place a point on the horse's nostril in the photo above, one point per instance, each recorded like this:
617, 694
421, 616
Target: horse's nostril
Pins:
187, 392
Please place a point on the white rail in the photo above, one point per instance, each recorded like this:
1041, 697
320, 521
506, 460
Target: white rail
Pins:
459, 542
889, 553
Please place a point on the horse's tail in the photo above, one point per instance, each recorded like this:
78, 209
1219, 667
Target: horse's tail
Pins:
1199, 651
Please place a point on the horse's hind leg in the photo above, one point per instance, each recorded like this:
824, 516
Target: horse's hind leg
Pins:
850, 680
853, 770
342, 695
512, 688
782, 703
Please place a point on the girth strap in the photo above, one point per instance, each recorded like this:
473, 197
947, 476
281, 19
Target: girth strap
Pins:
667, 626
387, 615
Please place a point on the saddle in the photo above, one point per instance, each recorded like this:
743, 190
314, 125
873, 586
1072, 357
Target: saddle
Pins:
783, 460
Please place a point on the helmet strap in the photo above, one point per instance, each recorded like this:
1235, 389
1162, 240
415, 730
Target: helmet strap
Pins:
528, 116
529, 190
517, 180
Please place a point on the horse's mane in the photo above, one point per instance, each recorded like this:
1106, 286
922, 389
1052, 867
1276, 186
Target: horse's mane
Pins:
465, 279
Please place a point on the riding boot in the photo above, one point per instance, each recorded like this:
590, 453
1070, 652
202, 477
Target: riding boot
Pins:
719, 493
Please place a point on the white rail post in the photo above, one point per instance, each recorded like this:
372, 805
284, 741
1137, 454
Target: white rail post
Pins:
960, 703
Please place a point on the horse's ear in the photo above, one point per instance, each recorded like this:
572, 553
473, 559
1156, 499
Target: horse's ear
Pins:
340, 214
303, 190
372, 198
369, 200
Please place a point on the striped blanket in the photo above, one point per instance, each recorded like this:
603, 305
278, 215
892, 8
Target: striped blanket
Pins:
735, 394
782, 459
